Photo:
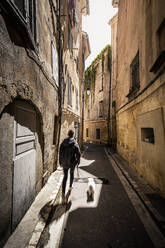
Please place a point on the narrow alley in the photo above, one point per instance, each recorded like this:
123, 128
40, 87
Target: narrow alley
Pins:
82, 102
115, 218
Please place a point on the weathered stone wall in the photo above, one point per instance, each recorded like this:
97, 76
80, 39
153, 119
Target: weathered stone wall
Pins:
138, 25
26, 75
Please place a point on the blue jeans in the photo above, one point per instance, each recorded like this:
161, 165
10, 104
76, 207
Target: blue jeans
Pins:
66, 177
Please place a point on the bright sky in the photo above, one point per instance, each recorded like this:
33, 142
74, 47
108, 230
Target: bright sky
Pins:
97, 27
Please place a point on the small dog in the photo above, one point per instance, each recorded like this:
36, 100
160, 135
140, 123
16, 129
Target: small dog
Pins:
91, 189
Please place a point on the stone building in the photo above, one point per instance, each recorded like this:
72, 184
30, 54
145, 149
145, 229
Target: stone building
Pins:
97, 98
75, 52
29, 84
140, 86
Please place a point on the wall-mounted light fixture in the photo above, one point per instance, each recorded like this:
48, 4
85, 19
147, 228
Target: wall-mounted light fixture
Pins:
88, 91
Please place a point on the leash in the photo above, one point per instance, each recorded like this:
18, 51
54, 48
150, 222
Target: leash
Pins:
78, 174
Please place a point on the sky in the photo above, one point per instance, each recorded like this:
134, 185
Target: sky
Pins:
97, 27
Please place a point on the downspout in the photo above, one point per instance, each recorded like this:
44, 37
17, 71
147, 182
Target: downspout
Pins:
109, 104
59, 73
82, 119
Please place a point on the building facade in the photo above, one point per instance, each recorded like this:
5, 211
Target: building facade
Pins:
140, 87
97, 99
29, 84
74, 55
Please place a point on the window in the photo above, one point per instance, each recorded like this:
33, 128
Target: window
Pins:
88, 114
69, 91
102, 82
70, 41
55, 62
86, 132
135, 77
161, 48
20, 4
76, 91
101, 109
98, 133
147, 135
26, 11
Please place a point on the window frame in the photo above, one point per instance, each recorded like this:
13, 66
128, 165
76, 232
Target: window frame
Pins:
22, 21
101, 109
87, 132
69, 91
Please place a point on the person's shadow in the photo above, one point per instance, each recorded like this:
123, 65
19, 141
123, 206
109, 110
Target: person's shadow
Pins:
51, 212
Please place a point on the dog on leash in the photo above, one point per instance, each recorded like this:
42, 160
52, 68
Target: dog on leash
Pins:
91, 189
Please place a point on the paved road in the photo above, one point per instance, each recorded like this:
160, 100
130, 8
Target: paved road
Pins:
115, 219
111, 219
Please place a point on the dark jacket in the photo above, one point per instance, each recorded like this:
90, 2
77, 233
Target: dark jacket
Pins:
69, 153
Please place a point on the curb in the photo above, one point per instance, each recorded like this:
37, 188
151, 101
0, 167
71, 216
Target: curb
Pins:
159, 219
42, 221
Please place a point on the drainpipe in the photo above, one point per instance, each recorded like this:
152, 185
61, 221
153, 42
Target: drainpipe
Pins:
59, 73
82, 119
109, 104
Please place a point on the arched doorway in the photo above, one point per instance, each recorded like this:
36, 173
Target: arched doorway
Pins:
20, 140
24, 157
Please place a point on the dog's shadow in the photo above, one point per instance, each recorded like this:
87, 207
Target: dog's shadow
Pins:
90, 197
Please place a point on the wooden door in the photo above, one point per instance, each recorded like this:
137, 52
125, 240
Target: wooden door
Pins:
24, 173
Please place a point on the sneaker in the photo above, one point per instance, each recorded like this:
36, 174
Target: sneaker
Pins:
70, 188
